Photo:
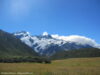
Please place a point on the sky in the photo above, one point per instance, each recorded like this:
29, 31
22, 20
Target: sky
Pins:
63, 17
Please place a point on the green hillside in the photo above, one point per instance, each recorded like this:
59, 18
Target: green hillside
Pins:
10, 46
85, 52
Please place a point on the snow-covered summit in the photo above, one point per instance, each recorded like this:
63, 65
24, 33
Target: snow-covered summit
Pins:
22, 33
45, 34
47, 44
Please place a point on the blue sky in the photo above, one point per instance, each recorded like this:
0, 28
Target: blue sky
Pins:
63, 17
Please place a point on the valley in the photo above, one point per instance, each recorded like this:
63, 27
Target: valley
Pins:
49, 37
30, 56
71, 66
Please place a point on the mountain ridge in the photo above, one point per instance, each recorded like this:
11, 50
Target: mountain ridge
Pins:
80, 53
48, 45
11, 46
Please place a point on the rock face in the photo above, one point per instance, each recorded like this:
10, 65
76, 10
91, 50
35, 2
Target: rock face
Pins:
46, 44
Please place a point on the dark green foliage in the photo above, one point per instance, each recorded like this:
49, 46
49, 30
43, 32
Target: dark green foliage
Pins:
10, 46
85, 52
47, 61
25, 59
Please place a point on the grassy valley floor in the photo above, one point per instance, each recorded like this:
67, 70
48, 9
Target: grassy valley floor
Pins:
72, 66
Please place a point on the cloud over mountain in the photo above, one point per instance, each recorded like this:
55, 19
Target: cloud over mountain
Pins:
78, 39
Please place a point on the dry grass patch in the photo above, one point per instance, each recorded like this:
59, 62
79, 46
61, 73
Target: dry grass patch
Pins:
73, 66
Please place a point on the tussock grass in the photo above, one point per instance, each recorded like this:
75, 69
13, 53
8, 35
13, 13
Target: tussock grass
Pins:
72, 66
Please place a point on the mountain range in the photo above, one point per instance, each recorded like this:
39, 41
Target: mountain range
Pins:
23, 44
10, 46
48, 45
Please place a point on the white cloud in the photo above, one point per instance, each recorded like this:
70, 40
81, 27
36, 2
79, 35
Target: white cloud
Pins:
78, 39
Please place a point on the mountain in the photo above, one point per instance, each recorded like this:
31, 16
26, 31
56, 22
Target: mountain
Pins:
48, 45
11, 46
85, 52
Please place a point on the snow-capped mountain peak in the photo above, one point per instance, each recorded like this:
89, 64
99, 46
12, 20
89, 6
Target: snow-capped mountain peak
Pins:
45, 34
47, 44
22, 33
